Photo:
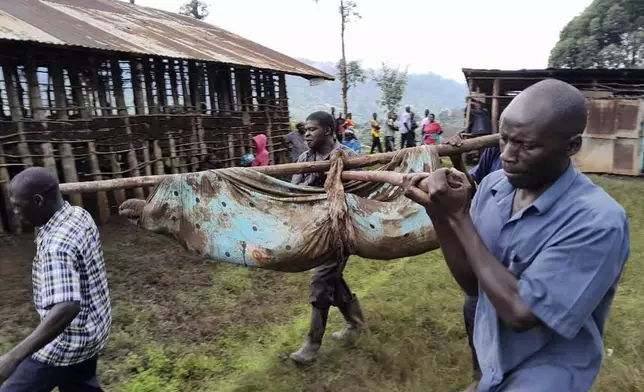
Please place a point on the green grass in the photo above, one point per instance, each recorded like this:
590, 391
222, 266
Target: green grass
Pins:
415, 339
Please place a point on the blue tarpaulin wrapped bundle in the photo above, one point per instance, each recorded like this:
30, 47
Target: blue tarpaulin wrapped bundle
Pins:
241, 216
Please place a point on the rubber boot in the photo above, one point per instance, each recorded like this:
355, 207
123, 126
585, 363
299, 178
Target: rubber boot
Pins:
309, 352
353, 315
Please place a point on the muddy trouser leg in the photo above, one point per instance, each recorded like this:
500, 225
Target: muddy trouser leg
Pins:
469, 314
403, 140
323, 295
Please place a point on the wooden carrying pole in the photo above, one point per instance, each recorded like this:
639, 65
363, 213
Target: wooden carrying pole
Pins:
279, 170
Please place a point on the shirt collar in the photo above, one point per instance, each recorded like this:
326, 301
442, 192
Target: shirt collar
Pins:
548, 198
60, 215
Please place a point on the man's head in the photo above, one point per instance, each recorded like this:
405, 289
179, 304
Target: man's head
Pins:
375, 116
300, 127
35, 195
540, 130
477, 105
426, 112
319, 130
408, 109
432, 117
349, 116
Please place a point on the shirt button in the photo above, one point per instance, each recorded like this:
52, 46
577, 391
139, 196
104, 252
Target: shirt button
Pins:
491, 369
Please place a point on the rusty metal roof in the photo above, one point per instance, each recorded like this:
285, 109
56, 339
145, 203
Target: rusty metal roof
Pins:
620, 81
118, 26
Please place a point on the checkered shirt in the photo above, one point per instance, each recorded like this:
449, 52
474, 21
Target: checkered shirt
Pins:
69, 266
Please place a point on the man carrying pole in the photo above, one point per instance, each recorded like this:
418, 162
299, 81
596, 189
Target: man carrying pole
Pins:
328, 287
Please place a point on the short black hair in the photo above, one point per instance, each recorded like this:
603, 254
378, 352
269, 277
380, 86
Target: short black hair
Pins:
323, 118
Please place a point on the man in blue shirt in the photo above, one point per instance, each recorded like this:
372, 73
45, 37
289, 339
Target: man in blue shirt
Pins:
540, 244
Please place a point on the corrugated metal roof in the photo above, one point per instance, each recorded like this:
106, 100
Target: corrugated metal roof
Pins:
118, 26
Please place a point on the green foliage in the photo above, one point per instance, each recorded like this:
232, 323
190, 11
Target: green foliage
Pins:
392, 83
195, 9
423, 91
355, 73
608, 34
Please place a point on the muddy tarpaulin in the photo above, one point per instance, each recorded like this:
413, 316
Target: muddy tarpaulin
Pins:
244, 217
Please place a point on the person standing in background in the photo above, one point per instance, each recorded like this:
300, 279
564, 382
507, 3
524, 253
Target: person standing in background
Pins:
390, 132
480, 123
432, 131
261, 153
351, 141
375, 134
405, 127
422, 125
340, 127
295, 142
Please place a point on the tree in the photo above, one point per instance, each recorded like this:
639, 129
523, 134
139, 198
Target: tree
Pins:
392, 83
348, 13
196, 9
350, 75
607, 34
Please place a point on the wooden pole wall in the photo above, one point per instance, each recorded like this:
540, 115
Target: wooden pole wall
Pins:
496, 91
87, 126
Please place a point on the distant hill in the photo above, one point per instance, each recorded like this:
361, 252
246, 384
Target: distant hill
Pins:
424, 91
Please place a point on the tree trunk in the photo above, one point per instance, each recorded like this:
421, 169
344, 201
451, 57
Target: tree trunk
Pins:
343, 71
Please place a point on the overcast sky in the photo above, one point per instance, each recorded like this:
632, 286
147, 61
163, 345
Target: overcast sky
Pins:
440, 36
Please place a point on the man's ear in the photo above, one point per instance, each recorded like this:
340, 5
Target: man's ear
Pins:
38, 200
574, 145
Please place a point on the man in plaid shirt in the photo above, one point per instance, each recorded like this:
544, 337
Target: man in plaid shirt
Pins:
70, 293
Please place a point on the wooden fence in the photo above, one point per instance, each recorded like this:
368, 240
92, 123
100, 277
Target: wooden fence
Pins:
92, 116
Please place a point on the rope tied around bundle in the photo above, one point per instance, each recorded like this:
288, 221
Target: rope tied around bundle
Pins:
343, 231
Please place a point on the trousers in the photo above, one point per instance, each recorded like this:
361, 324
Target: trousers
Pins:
34, 376
328, 287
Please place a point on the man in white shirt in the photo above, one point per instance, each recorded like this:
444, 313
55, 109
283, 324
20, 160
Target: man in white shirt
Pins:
406, 131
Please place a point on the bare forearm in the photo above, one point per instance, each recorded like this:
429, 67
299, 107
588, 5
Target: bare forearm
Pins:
59, 318
455, 256
495, 280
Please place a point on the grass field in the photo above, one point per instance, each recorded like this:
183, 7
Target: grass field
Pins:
182, 325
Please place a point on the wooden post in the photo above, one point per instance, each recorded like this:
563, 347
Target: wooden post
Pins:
68, 161
77, 92
117, 79
196, 101
95, 168
12, 225
99, 85
159, 78
212, 91
119, 195
103, 207
158, 158
470, 87
137, 79
31, 69
149, 90
283, 94
231, 150
147, 168
174, 162
172, 74
15, 107
185, 85
496, 91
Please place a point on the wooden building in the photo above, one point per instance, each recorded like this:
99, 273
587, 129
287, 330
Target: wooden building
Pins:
100, 89
613, 140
